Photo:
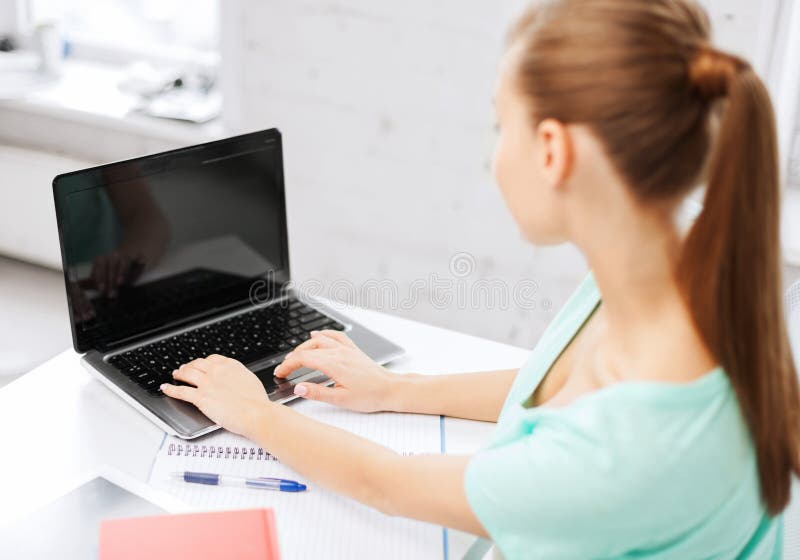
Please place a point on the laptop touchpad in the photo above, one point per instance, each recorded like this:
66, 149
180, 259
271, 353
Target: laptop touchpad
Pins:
272, 383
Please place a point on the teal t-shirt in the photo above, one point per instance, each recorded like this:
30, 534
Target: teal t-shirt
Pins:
633, 470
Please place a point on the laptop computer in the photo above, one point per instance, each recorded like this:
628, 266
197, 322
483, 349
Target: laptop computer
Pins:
179, 255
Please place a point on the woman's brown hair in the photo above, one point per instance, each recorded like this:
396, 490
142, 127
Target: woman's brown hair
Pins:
671, 111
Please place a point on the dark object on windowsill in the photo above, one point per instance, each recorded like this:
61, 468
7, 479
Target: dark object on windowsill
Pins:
7, 44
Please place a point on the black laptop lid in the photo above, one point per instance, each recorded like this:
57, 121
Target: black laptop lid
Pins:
157, 242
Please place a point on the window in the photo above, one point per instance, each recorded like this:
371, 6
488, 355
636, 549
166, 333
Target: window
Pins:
119, 30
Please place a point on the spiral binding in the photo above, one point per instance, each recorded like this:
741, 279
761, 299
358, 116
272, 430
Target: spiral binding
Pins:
220, 452
228, 452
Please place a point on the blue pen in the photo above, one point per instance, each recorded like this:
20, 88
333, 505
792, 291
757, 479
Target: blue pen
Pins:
261, 483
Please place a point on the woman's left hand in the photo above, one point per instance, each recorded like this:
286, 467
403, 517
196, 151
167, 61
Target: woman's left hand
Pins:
224, 390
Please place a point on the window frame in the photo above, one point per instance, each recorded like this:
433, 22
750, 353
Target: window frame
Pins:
779, 41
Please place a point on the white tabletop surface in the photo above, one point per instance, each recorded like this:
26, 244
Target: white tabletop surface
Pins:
59, 424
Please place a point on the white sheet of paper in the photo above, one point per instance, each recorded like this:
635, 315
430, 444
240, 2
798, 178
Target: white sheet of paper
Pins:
316, 523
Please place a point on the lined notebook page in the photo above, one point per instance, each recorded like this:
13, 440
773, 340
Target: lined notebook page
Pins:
316, 523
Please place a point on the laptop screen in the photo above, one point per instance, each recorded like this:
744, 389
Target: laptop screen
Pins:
155, 243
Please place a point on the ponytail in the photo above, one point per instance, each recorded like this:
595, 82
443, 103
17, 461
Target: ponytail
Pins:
731, 271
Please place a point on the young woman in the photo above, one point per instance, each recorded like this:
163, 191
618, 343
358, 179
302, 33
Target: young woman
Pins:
659, 415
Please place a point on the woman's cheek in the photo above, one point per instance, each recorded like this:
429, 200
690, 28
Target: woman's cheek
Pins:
500, 164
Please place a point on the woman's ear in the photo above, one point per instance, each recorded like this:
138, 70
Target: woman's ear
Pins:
555, 153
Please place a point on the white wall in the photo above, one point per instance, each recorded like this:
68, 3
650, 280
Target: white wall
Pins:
386, 109
388, 123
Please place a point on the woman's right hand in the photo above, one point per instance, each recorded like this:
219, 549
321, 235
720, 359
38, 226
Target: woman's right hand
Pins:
361, 384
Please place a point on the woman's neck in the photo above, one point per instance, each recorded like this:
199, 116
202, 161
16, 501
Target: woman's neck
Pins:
635, 271
644, 318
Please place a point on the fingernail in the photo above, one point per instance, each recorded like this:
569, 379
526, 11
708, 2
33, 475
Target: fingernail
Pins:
174, 371
314, 332
300, 390
287, 356
162, 386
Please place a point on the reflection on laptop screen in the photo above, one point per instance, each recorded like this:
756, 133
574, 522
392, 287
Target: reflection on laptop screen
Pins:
159, 241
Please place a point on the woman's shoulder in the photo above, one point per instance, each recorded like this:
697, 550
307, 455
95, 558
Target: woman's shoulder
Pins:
659, 437
622, 470
624, 459
669, 415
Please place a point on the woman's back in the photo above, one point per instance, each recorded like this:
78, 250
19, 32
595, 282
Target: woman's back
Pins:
636, 469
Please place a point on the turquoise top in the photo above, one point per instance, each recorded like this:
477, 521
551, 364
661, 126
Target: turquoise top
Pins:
633, 470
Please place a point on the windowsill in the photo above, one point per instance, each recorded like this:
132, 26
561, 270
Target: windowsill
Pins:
87, 93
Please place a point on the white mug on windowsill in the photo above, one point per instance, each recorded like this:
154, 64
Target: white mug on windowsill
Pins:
50, 46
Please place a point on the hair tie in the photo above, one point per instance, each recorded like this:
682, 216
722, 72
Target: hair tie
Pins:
711, 72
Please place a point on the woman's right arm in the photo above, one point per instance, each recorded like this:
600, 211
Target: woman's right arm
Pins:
363, 385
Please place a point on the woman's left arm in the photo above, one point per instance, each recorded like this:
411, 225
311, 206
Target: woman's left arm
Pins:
425, 487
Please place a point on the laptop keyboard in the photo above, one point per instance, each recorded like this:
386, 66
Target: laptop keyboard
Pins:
248, 337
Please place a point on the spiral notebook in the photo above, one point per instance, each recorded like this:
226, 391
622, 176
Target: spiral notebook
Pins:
316, 523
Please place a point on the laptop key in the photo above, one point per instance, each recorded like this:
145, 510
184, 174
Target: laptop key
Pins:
314, 325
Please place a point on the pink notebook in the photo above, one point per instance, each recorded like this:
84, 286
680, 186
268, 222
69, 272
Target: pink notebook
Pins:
244, 535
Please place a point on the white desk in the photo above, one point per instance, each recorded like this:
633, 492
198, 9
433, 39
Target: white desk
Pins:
59, 424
